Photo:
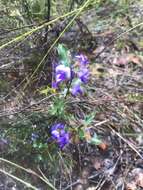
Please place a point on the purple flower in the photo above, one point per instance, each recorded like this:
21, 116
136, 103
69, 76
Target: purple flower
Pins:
54, 85
82, 59
83, 74
34, 136
77, 88
59, 134
62, 73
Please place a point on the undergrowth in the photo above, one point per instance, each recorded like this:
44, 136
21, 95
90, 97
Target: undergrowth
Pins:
85, 109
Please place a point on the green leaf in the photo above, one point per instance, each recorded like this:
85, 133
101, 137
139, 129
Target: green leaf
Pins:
64, 55
39, 157
88, 119
58, 108
35, 145
81, 133
95, 140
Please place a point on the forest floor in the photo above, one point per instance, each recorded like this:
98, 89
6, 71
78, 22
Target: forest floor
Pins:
115, 94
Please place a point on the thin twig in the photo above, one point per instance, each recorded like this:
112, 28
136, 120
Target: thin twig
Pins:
127, 142
29, 171
118, 37
78, 181
27, 107
18, 179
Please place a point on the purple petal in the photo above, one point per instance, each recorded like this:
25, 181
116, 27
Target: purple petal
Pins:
82, 59
55, 134
62, 132
57, 126
63, 140
77, 89
54, 85
59, 134
83, 74
62, 73
60, 77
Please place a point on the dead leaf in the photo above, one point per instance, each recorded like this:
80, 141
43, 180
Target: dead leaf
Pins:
140, 180
127, 58
75, 139
138, 176
131, 186
103, 146
136, 179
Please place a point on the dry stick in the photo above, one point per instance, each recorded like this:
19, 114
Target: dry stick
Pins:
59, 153
13, 89
54, 43
28, 81
78, 181
28, 171
19, 38
99, 123
44, 177
127, 142
27, 107
118, 37
18, 179
108, 173
19, 28
100, 184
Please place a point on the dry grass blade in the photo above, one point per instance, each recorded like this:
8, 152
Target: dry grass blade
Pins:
18, 179
28, 171
127, 142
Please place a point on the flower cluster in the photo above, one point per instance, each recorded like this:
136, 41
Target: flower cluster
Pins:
59, 134
77, 76
82, 59
82, 75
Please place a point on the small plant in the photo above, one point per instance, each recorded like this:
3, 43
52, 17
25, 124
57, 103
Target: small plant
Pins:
46, 135
70, 76
43, 134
